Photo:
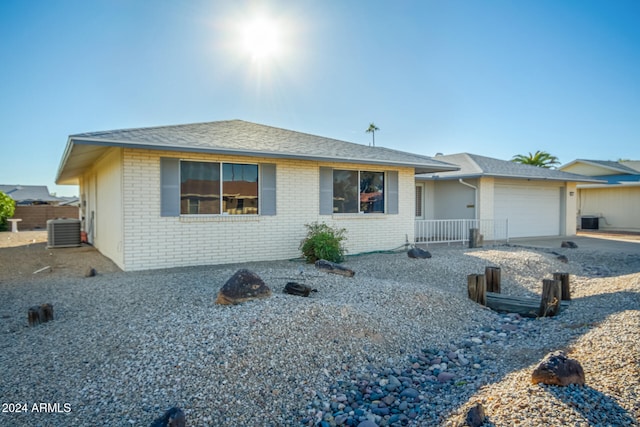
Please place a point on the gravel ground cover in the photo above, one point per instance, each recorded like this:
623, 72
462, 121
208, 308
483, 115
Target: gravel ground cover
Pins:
398, 344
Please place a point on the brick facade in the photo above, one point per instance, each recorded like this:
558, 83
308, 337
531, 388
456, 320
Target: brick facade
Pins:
150, 241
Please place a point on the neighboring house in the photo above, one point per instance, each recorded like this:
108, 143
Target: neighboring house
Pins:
234, 191
35, 206
615, 202
536, 201
29, 194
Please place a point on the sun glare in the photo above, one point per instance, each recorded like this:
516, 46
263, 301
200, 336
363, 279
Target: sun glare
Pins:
261, 38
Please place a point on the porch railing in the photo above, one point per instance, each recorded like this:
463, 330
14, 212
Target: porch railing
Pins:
457, 230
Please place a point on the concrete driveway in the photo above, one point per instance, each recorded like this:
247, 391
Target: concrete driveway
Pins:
609, 242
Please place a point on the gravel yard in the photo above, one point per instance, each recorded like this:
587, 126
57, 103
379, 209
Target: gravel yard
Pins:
398, 344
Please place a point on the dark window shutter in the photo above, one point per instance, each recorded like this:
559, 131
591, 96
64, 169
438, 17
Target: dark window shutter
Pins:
392, 192
169, 186
326, 191
268, 189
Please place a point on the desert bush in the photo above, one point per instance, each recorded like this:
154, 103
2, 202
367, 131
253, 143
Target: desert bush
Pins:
323, 242
7, 208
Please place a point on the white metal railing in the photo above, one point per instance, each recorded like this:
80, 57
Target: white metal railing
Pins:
457, 230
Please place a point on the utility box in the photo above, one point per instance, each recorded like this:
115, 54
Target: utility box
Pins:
63, 233
590, 223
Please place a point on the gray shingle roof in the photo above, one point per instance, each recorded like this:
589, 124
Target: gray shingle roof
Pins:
608, 164
238, 137
474, 166
28, 193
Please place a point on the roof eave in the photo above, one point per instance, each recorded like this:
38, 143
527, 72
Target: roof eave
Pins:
418, 167
495, 175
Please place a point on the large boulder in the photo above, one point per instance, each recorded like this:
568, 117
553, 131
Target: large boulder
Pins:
244, 285
557, 369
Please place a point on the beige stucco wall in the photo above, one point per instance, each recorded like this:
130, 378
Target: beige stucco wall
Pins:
101, 190
152, 241
617, 207
587, 169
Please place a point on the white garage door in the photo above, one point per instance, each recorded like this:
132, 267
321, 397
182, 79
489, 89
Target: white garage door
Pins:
531, 210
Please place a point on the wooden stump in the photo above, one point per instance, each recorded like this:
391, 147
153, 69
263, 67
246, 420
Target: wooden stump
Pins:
40, 314
551, 295
477, 288
492, 277
566, 289
475, 238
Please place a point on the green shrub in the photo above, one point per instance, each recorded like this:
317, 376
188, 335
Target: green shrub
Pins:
323, 242
7, 208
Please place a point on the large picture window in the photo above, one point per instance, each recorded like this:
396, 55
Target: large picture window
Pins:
358, 191
209, 188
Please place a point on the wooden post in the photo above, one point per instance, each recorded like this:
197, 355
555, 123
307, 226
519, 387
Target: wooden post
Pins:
492, 275
41, 314
477, 288
475, 238
551, 294
564, 280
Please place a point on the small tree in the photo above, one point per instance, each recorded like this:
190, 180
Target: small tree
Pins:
323, 242
7, 209
540, 158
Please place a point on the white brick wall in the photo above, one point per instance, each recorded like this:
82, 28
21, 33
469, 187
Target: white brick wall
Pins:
152, 241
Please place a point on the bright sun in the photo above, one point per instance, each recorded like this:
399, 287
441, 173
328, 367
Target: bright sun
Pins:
261, 38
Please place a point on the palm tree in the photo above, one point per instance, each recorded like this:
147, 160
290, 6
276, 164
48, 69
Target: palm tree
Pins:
540, 158
372, 129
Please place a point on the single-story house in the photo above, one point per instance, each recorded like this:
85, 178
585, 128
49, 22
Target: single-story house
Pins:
234, 191
614, 203
30, 194
534, 201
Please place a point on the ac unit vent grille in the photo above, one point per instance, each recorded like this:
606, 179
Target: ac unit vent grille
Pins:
63, 233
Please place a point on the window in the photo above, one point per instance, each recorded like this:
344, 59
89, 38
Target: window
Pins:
203, 192
358, 191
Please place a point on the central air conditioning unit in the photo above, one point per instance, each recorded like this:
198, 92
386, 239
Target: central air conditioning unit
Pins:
63, 233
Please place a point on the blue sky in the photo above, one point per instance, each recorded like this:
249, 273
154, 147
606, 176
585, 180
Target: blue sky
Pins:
494, 77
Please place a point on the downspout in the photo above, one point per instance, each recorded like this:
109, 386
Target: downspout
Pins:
475, 206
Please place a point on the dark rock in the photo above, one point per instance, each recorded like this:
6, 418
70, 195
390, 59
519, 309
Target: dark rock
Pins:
475, 416
332, 267
91, 272
367, 423
568, 244
243, 286
563, 258
173, 417
299, 289
444, 377
418, 253
557, 369
410, 393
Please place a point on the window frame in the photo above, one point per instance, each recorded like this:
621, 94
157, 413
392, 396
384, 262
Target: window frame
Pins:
359, 193
221, 165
